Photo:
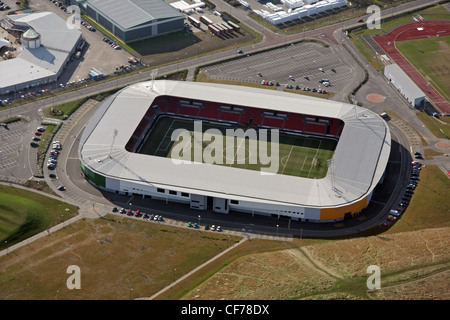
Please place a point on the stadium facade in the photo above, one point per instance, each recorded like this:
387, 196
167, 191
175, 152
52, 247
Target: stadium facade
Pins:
110, 161
134, 20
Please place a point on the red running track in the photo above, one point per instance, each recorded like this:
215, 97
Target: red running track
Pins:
410, 32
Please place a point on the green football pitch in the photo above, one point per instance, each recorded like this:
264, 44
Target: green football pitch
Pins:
431, 57
248, 148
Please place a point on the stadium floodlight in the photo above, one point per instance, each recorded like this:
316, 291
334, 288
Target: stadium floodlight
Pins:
115, 133
330, 164
153, 74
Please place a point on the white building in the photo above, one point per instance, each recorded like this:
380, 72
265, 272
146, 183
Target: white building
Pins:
110, 162
47, 44
404, 84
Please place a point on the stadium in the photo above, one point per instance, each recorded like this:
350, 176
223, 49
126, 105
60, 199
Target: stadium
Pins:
156, 139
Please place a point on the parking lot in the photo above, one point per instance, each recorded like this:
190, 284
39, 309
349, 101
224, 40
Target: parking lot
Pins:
17, 157
297, 60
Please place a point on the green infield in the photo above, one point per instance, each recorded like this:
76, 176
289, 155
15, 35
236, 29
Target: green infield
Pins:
250, 148
431, 57
24, 213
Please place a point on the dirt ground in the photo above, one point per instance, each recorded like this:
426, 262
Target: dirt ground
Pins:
413, 265
119, 258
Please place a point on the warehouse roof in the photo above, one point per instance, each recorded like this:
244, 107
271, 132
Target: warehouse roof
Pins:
360, 157
403, 80
57, 41
132, 13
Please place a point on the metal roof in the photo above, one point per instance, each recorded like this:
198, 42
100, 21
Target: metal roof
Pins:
359, 160
402, 80
131, 13
57, 41
30, 34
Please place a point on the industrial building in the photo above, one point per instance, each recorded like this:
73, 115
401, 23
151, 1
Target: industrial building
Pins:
404, 84
133, 20
297, 9
110, 160
47, 45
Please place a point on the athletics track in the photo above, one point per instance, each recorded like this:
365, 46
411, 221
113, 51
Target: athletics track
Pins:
411, 31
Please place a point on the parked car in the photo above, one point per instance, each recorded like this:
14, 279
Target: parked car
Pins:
391, 218
395, 213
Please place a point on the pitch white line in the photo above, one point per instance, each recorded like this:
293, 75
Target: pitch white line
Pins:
287, 159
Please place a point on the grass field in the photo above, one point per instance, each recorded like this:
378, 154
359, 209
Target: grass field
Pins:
413, 256
119, 258
437, 12
24, 214
431, 57
122, 258
289, 154
440, 127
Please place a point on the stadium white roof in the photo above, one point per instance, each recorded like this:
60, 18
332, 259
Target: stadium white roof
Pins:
131, 13
360, 157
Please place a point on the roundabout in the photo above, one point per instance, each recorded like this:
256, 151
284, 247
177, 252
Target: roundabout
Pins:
376, 98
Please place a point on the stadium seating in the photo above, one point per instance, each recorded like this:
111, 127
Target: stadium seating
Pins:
315, 127
238, 114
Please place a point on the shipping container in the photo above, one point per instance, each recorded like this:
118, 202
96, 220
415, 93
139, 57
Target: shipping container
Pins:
221, 28
226, 25
194, 21
206, 20
214, 30
98, 72
234, 26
